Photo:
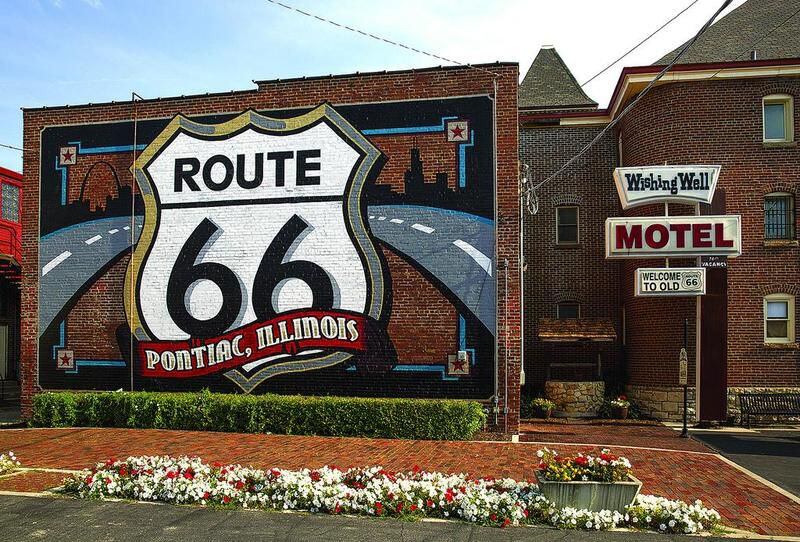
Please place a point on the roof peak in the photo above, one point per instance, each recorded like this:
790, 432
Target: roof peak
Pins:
549, 83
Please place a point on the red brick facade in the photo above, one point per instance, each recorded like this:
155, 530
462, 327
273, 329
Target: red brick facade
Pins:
87, 317
719, 122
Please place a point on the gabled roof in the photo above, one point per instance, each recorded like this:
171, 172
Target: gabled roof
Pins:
550, 84
731, 38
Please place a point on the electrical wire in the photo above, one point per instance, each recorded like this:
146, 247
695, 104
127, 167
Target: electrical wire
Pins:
13, 148
632, 49
380, 38
631, 105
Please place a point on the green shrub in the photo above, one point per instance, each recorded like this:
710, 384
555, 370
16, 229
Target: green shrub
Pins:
430, 419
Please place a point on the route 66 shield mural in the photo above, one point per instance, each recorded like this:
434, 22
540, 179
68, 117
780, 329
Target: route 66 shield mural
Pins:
345, 250
254, 259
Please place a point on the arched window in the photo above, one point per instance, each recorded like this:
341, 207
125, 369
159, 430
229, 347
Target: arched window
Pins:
567, 224
779, 216
778, 118
779, 320
568, 310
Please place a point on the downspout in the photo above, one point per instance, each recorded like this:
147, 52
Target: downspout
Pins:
495, 397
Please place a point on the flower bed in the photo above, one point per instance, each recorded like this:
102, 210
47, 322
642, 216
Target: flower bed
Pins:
604, 467
369, 491
8, 463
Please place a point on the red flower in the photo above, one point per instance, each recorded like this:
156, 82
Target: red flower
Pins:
429, 503
493, 517
315, 476
449, 495
525, 512
337, 508
506, 523
399, 507
275, 472
189, 474
206, 495
413, 507
171, 474
226, 499
239, 484
88, 480
581, 460
623, 398
378, 508
416, 469
462, 489
123, 471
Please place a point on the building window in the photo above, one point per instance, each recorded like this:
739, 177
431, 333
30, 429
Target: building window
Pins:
567, 225
568, 310
779, 318
779, 216
10, 205
778, 111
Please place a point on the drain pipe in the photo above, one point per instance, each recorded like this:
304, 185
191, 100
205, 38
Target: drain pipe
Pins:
495, 397
505, 348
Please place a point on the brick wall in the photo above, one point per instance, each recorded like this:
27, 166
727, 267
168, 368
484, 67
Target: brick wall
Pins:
578, 273
718, 122
421, 84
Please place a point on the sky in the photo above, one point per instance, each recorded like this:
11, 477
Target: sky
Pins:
57, 52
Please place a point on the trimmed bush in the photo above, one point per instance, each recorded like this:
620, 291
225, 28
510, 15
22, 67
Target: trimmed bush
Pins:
428, 419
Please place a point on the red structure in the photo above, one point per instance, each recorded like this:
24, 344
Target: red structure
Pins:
10, 274
10, 226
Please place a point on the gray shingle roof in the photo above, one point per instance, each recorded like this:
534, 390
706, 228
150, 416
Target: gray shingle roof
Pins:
550, 84
730, 38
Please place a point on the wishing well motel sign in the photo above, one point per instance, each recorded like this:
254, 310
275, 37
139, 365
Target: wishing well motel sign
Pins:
670, 236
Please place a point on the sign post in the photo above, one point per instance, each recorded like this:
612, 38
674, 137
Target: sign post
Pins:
683, 377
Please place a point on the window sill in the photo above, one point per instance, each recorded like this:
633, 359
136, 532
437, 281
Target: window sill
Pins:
781, 243
782, 346
779, 144
567, 246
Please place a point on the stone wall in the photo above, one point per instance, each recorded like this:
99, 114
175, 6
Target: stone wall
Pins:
576, 399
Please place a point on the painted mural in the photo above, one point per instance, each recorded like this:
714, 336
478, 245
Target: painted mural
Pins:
330, 250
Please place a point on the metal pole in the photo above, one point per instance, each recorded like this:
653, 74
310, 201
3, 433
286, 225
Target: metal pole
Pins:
685, 432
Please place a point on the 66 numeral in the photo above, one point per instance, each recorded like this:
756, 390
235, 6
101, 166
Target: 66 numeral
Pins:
272, 271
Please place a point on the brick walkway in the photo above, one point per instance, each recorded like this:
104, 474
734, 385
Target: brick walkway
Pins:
744, 502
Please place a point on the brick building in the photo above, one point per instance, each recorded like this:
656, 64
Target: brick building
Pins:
721, 104
386, 264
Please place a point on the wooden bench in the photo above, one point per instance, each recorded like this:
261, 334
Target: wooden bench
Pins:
769, 404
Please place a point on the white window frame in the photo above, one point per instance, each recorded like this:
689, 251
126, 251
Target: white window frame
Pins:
790, 325
788, 117
577, 225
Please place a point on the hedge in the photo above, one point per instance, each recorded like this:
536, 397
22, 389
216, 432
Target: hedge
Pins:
429, 419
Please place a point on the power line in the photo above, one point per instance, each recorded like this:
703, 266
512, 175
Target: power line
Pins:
529, 193
12, 147
379, 38
629, 51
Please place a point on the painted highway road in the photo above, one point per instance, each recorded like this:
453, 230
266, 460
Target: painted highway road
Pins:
87, 248
457, 248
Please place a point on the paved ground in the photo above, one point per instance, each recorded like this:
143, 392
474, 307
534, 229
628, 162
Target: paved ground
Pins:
645, 434
744, 502
27, 518
775, 455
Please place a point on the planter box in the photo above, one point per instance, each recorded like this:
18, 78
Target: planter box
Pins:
593, 496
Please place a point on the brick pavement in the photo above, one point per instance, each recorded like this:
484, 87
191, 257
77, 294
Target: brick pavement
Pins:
744, 502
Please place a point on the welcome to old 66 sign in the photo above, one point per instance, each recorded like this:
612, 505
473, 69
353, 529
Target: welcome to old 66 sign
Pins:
254, 259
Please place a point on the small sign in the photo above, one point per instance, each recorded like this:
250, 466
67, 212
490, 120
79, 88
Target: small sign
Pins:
65, 360
662, 236
714, 262
458, 131
683, 368
653, 184
458, 364
670, 281
68, 156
